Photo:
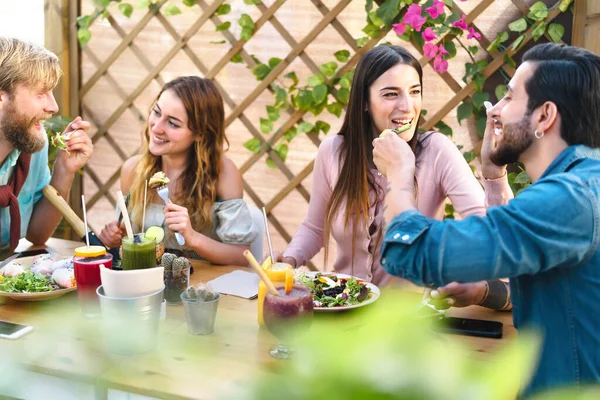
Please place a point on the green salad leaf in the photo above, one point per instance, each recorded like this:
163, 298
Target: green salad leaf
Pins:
27, 282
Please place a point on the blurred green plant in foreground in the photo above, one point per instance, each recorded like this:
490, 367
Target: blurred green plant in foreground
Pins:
384, 352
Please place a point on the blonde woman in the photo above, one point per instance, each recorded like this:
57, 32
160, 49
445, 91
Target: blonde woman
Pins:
185, 139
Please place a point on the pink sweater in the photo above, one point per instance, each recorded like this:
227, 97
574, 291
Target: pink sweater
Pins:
441, 172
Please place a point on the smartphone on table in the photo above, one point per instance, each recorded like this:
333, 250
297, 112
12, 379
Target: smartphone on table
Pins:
470, 327
10, 330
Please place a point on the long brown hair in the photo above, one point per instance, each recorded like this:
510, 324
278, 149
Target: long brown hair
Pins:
356, 155
196, 188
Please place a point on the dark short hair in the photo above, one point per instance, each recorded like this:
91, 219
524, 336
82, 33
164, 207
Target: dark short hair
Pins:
570, 78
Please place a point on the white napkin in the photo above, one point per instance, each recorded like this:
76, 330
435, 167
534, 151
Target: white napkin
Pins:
237, 283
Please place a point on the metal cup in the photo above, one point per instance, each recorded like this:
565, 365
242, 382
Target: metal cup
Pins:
200, 315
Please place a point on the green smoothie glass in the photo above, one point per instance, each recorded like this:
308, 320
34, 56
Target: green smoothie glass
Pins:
139, 252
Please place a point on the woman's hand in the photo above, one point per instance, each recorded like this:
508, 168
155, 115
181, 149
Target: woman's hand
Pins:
112, 234
278, 257
178, 220
391, 153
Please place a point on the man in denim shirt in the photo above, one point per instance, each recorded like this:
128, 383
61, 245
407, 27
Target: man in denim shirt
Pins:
546, 239
28, 74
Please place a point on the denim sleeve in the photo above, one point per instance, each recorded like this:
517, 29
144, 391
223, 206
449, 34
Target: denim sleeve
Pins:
553, 223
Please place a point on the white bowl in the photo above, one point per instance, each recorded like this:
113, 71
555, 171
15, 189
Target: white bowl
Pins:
131, 283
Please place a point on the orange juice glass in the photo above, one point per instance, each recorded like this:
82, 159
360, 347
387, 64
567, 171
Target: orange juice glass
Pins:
276, 272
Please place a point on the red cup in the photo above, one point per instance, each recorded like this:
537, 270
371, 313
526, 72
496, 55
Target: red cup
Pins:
87, 274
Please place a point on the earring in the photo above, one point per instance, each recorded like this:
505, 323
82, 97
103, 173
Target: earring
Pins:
538, 135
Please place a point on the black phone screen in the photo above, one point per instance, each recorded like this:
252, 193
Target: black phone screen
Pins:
471, 327
8, 328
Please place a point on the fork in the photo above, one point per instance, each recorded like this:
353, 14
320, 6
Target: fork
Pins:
163, 193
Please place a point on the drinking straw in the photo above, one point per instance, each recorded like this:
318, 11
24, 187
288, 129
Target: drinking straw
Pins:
144, 211
123, 207
260, 272
87, 236
268, 235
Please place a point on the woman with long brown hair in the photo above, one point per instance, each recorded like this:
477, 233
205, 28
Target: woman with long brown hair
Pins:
348, 193
184, 138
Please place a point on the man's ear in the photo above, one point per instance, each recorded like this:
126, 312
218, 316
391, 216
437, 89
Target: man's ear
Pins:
547, 116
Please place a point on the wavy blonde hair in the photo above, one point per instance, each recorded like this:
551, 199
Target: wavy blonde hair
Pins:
27, 63
196, 188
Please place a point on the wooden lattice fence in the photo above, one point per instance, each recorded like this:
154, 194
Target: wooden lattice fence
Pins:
128, 60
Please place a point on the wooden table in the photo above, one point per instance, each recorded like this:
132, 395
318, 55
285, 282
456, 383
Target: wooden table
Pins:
64, 346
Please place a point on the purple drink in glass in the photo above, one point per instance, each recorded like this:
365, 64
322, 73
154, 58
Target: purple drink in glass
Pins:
287, 314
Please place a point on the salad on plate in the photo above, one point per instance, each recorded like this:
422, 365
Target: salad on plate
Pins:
331, 290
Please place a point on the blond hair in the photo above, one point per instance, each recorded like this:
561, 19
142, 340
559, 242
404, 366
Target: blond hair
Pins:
27, 63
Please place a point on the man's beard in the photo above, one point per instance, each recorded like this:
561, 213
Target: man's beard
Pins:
516, 138
16, 127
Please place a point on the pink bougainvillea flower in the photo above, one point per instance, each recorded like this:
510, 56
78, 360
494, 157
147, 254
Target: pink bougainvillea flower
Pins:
413, 17
473, 34
436, 10
399, 28
443, 50
430, 50
440, 65
461, 23
428, 35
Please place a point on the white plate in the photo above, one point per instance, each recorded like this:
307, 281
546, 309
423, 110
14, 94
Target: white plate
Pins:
26, 262
375, 293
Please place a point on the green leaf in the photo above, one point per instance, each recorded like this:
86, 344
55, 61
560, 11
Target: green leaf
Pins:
102, 3
84, 21
253, 145
320, 93
266, 125
305, 127
478, 81
500, 92
480, 124
282, 151
564, 5
246, 20
479, 98
274, 61
280, 96
374, 19
316, 79
290, 134
218, 41
292, 75
171, 9
305, 99
464, 111
556, 32
189, 3
345, 82
260, 71
538, 32
246, 33
273, 113
335, 109
473, 49
237, 58
328, 68
538, 11
518, 26
443, 128
522, 178
343, 95
223, 9
252, 1
450, 48
126, 9
224, 26
388, 11
369, 5
372, 31
509, 61
469, 156
143, 4
517, 43
360, 42
271, 163
449, 211
342, 55
83, 35
322, 126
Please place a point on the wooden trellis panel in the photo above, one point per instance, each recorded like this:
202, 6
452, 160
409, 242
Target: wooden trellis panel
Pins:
128, 60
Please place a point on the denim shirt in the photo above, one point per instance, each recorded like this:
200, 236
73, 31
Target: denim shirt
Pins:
546, 241
31, 192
